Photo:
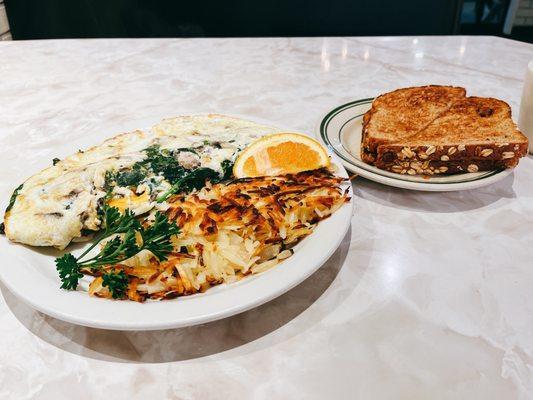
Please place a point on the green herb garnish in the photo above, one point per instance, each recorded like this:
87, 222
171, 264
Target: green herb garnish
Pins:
117, 283
155, 238
69, 271
55, 161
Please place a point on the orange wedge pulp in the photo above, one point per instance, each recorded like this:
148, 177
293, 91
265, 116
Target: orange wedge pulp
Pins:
280, 153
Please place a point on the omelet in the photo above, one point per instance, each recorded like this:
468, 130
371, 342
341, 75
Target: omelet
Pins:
135, 170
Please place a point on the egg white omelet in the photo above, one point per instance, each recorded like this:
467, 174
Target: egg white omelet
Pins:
61, 203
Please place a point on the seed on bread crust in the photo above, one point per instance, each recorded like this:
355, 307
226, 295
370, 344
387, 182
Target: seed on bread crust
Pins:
407, 152
503, 144
411, 172
461, 147
397, 168
507, 154
486, 152
451, 150
445, 158
430, 150
443, 169
422, 155
473, 168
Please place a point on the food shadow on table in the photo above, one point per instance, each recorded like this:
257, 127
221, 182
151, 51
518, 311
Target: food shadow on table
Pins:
440, 202
195, 341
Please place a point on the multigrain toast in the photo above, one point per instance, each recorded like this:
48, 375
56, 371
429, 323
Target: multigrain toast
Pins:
472, 134
475, 134
402, 113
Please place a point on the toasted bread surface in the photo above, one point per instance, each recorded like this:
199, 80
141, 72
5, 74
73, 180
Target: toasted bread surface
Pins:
472, 120
403, 113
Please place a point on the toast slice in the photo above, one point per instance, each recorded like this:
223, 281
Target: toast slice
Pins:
474, 134
402, 113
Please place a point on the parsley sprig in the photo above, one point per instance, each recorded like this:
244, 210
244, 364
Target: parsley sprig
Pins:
155, 238
117, 282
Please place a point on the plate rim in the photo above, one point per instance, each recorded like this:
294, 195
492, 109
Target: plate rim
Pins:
341, 219
320, 134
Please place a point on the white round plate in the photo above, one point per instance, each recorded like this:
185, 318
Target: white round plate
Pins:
30, 274
341, 130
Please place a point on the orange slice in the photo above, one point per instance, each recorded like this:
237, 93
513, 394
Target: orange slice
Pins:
278, 154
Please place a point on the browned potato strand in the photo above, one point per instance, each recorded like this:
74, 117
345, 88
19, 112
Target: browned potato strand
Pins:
232, 230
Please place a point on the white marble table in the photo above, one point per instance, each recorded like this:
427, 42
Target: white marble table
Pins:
429, 296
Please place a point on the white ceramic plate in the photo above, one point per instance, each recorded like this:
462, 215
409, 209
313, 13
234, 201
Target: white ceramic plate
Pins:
341, 129
30, 274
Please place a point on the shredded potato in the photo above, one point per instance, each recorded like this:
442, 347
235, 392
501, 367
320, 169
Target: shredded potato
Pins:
231, 230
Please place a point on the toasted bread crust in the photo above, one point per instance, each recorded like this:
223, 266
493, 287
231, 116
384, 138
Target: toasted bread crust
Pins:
456, 167
473, 134
429, 160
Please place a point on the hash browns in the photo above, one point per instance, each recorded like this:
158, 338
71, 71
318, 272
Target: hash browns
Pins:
231, 230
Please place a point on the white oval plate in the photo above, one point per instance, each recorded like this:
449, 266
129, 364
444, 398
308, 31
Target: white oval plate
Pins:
30, 274
341, 130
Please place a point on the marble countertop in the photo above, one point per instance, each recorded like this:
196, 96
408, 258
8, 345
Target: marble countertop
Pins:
429, 295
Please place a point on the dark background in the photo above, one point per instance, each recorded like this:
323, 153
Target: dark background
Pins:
44, 19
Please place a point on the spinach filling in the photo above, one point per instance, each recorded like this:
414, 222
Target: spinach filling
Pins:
163, 162
130, 178
14, 197
10, 206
